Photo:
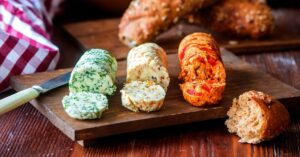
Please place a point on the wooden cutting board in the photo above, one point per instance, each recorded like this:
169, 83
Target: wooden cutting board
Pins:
118, 120
103, 34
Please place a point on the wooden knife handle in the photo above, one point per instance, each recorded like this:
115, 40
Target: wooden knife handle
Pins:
18, 99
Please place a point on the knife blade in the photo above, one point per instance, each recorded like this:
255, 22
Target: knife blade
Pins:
54, 83
11, 102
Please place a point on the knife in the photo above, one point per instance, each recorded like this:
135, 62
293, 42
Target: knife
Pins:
24, 96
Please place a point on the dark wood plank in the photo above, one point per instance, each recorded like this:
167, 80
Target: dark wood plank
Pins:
103, 34
176, 111
26, 132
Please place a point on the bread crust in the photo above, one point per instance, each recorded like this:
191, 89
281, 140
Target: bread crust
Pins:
144, 19
242, 18
276, 118
201, 70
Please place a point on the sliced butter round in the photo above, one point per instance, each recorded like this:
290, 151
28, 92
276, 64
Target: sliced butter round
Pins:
85, 105
142, 96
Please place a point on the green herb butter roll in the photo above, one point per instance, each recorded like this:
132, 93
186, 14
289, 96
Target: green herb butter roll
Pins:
95, 72
148, 62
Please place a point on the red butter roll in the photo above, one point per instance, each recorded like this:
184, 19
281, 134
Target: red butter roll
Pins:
201, 70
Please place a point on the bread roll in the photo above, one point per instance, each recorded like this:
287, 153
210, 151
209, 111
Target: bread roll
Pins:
255, 117
201, 70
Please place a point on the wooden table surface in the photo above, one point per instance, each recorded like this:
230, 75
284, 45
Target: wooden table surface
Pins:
26, 132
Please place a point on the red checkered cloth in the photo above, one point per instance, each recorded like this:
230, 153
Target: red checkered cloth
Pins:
25, 45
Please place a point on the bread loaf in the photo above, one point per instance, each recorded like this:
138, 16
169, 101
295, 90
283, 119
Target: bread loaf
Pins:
241, 18
144, 19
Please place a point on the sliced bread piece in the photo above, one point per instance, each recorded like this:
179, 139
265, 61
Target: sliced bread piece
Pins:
255, 117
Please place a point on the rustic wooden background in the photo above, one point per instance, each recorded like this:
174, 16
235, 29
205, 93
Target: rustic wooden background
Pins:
25, 132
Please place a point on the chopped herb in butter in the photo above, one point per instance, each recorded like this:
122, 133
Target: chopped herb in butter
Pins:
85, 105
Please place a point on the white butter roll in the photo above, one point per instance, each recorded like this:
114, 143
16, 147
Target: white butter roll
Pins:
148, 62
